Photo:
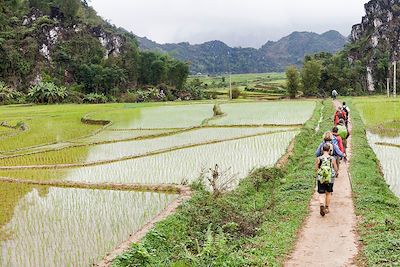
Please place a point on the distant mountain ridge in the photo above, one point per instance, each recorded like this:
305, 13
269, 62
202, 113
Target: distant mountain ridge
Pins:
217, 57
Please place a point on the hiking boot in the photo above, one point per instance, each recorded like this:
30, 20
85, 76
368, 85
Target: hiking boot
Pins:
326, 210
322, 210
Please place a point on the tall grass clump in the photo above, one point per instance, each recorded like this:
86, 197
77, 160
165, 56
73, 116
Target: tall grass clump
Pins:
217, 110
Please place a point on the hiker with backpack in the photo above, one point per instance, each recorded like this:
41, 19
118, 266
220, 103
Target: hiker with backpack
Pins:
326, 168
346, 110
337, 139
343, 132
339, 115
335, 151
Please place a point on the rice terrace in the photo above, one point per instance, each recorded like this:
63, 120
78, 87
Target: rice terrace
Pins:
116, 150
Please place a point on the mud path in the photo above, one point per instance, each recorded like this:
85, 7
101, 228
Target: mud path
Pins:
329, 240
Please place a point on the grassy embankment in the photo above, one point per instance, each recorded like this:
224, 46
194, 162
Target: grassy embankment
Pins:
377, 206
255, 225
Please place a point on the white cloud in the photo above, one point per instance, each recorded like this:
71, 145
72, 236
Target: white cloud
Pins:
236, 22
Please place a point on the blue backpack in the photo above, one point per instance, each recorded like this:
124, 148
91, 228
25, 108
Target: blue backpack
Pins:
335, 141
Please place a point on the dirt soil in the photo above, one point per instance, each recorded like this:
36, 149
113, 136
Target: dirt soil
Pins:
331, 240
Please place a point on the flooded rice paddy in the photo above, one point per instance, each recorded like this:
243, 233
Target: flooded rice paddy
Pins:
387, 149
74, 227
50, 226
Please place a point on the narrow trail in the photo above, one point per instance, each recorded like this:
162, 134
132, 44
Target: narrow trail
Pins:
329, 240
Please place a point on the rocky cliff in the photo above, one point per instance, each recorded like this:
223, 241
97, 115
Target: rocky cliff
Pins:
39, 37
376, 40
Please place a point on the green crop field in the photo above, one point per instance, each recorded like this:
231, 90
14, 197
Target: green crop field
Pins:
48, 218
382, 118
252, 86
145, 143
380, 112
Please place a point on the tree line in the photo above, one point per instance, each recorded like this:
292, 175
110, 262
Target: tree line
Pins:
323, 72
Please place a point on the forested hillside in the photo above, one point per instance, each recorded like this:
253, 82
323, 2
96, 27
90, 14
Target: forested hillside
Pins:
65, 43
217, 57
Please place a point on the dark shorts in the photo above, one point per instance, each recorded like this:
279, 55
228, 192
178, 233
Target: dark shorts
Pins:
323, 188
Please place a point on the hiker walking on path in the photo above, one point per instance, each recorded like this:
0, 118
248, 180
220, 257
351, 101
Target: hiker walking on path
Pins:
337, 139
346, 110
326, 169
329, 241
334, 94
343, 132
334, 149
339, 115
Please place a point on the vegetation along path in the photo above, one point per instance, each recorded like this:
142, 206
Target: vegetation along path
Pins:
329, 240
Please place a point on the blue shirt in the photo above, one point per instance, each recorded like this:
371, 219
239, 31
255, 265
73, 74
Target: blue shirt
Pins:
336, 150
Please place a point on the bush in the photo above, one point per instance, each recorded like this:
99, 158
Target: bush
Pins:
217, 110
145, 95
7, 94
94, 98
47, 92
129, 97
235, 93
74, 97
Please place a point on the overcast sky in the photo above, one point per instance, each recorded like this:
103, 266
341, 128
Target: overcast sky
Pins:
235, 22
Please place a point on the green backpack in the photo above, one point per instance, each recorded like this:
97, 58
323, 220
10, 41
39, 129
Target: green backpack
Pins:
325, 170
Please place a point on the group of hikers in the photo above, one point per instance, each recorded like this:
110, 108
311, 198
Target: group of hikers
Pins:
329, 154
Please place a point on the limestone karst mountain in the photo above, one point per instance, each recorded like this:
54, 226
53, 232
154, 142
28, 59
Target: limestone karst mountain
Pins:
375, 41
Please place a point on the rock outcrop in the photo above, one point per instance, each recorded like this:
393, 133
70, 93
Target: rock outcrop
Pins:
44, 32
376, 40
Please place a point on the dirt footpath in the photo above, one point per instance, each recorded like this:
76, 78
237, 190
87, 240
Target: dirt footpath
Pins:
329, 240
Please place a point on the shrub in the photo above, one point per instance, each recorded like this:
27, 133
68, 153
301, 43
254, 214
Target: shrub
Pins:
129, 97
94, 98
235, 93
145, 95
217, 110
7, 94
47, 92
137, 256
74, 97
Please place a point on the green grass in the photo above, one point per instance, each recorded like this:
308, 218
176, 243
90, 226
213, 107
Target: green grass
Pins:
377, 207
380, 114
46, 124
254, 225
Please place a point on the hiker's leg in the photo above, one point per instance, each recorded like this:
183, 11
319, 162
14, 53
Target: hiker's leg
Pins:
322, 199
322, 204
328, 199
